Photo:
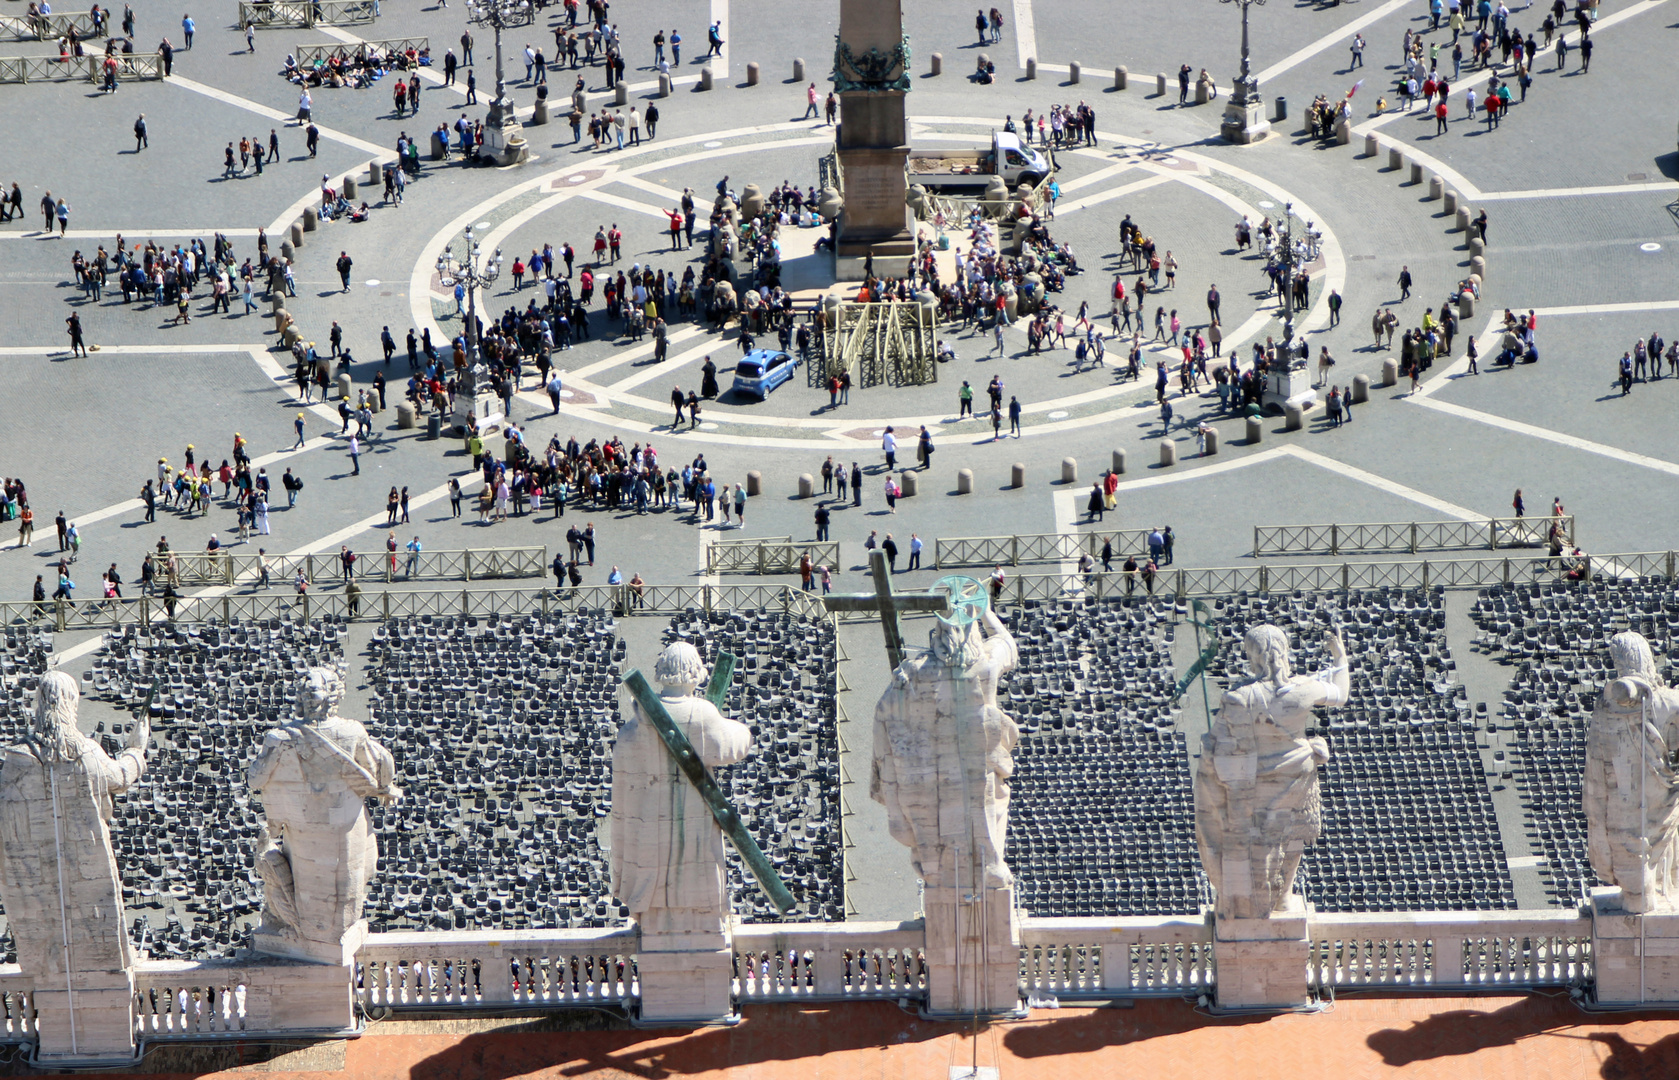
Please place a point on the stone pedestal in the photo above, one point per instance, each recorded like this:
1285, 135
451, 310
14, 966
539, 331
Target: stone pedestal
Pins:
1262, 962
479, 413
504, 140
103, 1020
1244, 123
1635, 957
302, 998
973, 952
872, 141
271, 942
1291, 387
683, 982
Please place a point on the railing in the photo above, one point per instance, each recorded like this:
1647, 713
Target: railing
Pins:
27, 69
272, 15
830, 962
42, 27
495, 969
1412, 537
1448, 951
768, 555
310, 55
1035, 547
179, 999
464, 564
1123, 957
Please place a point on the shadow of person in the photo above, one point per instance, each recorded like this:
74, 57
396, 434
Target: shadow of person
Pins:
1625, 1061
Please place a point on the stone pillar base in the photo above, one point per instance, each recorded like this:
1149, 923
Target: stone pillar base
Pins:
686, 987
1635, 957
505, 142
103, 1004
1262, 962
285, 942
301, 997
973, 953
1244, 123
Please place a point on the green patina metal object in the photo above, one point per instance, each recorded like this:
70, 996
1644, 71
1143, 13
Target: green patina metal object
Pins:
682, 751
889, 604
875, 71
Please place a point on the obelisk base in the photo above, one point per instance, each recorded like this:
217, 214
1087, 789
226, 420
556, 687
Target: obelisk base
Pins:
973, 953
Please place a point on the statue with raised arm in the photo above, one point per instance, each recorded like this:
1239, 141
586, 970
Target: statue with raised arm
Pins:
667, 858
1631, 789
58, 876
1256, 791
318, 852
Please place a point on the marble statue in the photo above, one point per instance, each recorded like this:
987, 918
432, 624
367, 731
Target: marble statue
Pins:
1256, 790
943, 754
58, 876
318, 852
1631, 788
667, 857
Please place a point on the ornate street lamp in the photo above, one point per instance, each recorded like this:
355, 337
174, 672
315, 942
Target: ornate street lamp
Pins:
1280, 383
1244, 116
470, 270
502, 131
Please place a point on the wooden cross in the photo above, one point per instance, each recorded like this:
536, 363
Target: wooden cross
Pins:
889, 604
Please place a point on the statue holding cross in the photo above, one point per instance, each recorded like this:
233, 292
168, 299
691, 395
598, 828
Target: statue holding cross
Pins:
889, 604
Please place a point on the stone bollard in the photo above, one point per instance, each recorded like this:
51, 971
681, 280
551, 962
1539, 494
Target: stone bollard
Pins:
752, 74
1211, 443
1361, 389
807, 486
1069, 471
1463, 219
276, 302
539, 114
798, 69
1031, 67
1074, 70
286, 250
1203, 91
1256, 430
1343, 133
1017, 475
1390, 371
296, 234
1436, 188
938, 64
1122, 76
1168, 452
1160, 84
1450, 202
350, 187
312, 220
705, 78
1294, 418
754, 483
909, 483
1119, 462
1396, 159
664, 85
405, 414
1465, 305
1372, 146
621, 93
1477, 246
344, 386
1416, 173
965, 482
375, 176
280, 317
1478, 267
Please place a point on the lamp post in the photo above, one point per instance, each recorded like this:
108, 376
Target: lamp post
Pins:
1244, 116
502, 138
471, 269
1280, 388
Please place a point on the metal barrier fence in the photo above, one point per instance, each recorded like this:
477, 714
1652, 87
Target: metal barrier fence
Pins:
1411, 536
90, 68
1034, 547
310, 55
229, 607
44, 27
275, 16
466, 564
776, 555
